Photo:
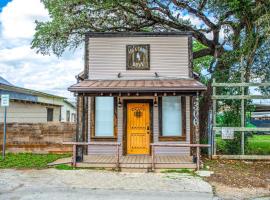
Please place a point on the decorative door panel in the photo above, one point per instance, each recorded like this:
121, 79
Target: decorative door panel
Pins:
138, 128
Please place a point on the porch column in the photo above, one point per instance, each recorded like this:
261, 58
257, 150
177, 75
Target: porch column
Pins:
81, 126
196, 132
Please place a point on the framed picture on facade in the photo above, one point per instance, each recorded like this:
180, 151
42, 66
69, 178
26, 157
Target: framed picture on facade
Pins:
138, 57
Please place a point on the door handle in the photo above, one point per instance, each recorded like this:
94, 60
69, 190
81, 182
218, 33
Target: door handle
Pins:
147, 128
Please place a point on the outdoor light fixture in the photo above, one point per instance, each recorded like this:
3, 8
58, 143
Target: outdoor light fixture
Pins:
119, 102
156, 101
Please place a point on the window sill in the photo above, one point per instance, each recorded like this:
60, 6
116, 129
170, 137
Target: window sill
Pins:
107, 139
171, 138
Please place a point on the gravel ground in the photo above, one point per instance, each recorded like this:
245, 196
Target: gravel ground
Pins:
90, 184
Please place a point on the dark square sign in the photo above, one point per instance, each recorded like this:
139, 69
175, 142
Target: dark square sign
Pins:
138, 57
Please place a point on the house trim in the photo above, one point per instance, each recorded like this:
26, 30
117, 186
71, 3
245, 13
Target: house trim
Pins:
137, 34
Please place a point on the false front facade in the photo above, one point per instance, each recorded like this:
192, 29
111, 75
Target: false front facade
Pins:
138, 90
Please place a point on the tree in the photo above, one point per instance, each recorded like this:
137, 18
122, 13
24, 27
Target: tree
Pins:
224, 30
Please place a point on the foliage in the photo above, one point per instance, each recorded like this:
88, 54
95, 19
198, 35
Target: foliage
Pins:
231, 147
226, 32
64, 167
259, 145
29, 160
242, 24
184, 170
254, 145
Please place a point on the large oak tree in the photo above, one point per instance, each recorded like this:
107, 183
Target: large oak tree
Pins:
224, 30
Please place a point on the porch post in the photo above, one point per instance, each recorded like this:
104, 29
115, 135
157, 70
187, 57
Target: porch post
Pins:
196, 133
81, 127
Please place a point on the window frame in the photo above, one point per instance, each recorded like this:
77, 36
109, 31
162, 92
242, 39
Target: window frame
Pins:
93, 136
52, 114
183, 116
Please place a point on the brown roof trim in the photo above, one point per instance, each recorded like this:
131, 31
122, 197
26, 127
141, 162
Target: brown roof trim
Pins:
137, 34
166, 85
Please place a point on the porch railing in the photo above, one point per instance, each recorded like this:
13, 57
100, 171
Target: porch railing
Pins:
198, 146
75, 144
153, 146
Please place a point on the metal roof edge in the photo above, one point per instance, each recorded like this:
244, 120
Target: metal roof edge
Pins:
138, 34
29, 91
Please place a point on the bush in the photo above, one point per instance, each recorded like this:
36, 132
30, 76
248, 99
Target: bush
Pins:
231, 147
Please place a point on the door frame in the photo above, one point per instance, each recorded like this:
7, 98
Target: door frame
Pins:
124, 137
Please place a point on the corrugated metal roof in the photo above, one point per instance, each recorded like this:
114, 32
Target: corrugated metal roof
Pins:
160, 85
4, 81
19, 96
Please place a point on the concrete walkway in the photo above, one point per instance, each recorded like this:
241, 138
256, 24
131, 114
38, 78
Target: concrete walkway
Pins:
90, 184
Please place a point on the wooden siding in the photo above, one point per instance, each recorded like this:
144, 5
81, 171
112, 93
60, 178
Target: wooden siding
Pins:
169, 57
29, 113
108, 150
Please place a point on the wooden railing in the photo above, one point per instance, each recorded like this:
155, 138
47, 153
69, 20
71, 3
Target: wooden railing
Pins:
198, 146
75, 144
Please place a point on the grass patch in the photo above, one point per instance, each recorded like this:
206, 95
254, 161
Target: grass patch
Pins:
259, 144
29, 160
184, 170
64, 167
256, 145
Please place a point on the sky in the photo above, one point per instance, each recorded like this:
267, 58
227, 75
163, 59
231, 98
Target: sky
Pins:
20, 64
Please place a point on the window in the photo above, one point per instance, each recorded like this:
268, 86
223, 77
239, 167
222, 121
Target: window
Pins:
73, 117
68, 116
49, 114
172, 119
104, 117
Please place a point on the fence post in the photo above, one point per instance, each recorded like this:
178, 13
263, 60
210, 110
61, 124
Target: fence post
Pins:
242, 114
214, 147
210, 131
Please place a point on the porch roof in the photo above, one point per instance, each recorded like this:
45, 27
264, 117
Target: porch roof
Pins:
155, 85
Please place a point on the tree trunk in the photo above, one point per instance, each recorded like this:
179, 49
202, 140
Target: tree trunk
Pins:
222, 75
205, 106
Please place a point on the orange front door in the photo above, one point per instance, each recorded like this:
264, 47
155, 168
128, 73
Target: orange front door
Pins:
138, 128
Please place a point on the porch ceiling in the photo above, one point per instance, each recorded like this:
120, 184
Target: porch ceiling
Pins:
156, 85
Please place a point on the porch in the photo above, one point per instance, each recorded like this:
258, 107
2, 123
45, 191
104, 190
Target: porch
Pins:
137, 162
156, 119
148, 162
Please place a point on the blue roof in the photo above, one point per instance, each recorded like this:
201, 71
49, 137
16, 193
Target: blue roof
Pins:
19, 93
4, 81
16, 95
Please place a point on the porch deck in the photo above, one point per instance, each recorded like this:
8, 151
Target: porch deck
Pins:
137, 162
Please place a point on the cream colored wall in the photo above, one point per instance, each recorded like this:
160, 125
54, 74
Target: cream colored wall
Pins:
67, 107
28, 113
168, 57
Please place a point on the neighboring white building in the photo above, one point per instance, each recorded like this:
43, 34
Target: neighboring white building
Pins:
30, 106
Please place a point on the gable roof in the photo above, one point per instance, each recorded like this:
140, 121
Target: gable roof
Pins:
24, 94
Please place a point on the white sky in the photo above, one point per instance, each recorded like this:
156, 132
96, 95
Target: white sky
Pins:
20, 65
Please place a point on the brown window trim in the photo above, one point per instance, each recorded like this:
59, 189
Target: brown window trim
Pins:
162, 138
102, 138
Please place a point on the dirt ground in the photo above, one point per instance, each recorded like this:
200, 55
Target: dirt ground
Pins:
233, 179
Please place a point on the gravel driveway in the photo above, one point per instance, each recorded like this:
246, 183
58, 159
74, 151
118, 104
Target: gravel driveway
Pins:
90, 184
